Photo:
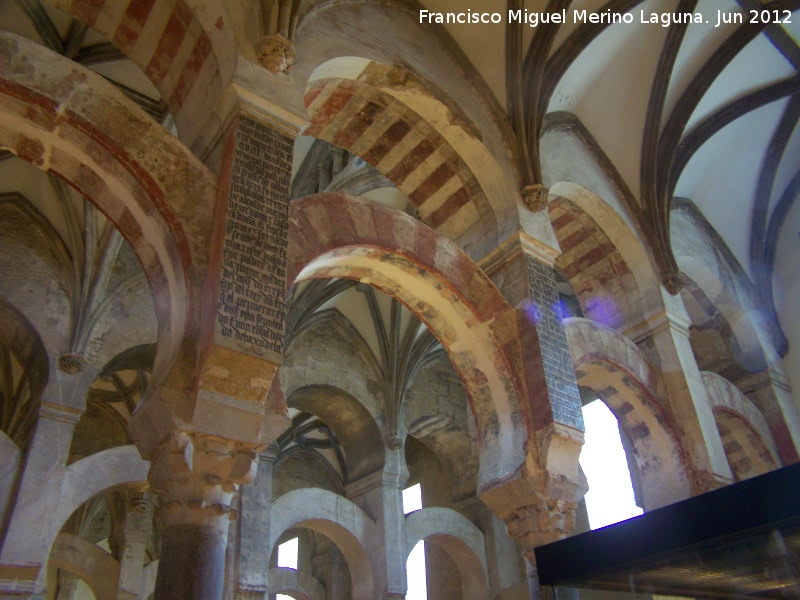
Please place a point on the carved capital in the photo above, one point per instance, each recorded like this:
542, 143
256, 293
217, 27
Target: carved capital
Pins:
251, 593
141, 502
276, 53
672, 281
198, 476
71, 363
546, 520
535, 197
394, 442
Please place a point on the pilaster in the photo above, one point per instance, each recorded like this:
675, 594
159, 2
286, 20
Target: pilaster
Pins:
254, 551
137, 531
31, 528
539, 507
666, 334
381, 497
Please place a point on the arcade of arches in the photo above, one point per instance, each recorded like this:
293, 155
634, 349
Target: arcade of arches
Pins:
266, 263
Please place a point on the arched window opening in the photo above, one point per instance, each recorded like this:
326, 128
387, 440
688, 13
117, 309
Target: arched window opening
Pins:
610, 498
287, 555
415, 565
412, 498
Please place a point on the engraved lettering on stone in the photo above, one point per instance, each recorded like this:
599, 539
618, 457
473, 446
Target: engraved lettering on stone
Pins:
251, 304
558, 372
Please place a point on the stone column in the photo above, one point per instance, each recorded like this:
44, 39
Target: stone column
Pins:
32, 527
136, 535
198, 476
771, 393
254, 526
664, 338
218, 406
381, 497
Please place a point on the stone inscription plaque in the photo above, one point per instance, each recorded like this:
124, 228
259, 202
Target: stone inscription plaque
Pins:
251, 303
565, 400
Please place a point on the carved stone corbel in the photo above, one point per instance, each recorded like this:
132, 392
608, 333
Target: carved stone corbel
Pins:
535, 197
276, 53
275, 49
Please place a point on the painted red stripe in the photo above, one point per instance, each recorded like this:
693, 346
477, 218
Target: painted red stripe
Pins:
433, 182
449, 208
340, 223
358, 125
29, 96
192, 69
166, 50
335, 103
426, 244
413, 159
312, 93
184, 13
384, 144
384, 227
130, 27
562, 221
573, 240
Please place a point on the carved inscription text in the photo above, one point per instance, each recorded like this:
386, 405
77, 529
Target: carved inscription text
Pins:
251, 304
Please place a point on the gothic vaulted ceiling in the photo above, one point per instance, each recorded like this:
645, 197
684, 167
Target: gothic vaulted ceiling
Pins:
706, 111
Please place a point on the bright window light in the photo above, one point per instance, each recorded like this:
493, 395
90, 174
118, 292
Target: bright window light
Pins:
283, 597
287, 555
610, 497
412, 499
415, 572
415, 565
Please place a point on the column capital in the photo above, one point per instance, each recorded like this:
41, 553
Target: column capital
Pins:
657, 322
67, 387
198, 476
754, 381
543, 521
366, 484
60, 413
245, 592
